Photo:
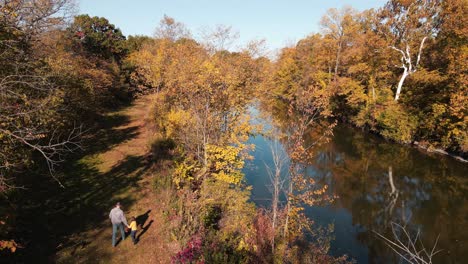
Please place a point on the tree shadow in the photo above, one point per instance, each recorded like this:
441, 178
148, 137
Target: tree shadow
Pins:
162, 149
113, 130
46, 215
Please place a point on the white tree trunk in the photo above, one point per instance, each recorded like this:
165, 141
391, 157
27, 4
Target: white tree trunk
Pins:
408, 66
400, 83
337, 62
373, 94
390, 180
288, 209
393, 194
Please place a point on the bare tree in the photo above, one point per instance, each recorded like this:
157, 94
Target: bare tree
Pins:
256, 48
409, 247
219, 38
171, 29
275, 173
340, 25
33, 17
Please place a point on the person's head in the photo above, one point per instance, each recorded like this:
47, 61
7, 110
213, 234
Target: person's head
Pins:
117, 204
132, 219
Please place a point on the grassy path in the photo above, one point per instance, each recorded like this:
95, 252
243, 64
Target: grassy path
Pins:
118, 171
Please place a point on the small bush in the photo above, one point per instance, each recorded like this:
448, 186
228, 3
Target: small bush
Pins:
212, 216
162, 149
162, 181
397, 124
390, 120
191, 253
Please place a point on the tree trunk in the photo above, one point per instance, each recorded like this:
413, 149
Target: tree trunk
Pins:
390, 179
373, 94
400, 83
275, 201
337, 62
288, 209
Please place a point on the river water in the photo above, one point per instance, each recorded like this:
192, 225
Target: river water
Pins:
379, 183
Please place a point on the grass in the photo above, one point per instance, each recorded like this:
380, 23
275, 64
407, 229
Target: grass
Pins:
71, 225
123, 161
121, 172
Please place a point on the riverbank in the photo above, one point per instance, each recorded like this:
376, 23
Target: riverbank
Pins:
426, 147
438, 151
365, 171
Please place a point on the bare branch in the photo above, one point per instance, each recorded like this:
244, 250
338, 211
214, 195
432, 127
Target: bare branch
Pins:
399, 50
420, 51
407, 247
53, 150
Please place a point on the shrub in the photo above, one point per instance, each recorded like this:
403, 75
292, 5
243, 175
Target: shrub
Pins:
162, 181
390, 120
192, 253
396, 124
162, 149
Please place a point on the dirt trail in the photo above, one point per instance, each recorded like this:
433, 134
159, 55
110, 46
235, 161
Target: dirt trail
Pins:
124, 165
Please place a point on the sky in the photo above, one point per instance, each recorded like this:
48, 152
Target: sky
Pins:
280, 23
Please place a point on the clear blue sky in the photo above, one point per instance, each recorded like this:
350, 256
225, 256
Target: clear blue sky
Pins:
279, 22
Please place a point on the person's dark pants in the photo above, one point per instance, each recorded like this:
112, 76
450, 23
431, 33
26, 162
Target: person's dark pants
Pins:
133, 235
114, 232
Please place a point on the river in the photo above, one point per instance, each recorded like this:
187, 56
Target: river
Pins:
378, 183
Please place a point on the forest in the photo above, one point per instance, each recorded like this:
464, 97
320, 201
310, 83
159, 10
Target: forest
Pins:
67, 82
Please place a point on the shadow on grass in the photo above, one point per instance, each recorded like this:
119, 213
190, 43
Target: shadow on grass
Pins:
97, 195
162, 149
143, 231
113, 130
141, 219
49, 217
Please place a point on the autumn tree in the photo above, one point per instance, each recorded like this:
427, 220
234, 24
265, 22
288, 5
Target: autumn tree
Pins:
29, 96
409, 24
451, 57
32, 130
36, 16
97, 36
340, 26
202, 97
309, 111
208, 92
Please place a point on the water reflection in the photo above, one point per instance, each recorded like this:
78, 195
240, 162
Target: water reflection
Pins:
378, 183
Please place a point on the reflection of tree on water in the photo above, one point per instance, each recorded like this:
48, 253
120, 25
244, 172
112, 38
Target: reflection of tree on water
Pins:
428, 193
393, 196
381, 183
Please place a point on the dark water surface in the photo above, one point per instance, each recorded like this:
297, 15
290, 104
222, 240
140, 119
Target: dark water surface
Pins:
429, 194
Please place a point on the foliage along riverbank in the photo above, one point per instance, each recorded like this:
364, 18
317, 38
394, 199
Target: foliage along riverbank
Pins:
70, 71
59, 73
201, 111
387, 71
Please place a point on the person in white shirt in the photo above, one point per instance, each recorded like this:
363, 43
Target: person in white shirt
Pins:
118, 219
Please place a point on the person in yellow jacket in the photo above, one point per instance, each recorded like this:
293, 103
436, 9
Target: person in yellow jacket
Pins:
133, 230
